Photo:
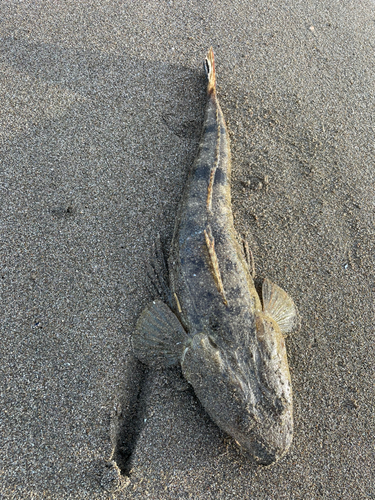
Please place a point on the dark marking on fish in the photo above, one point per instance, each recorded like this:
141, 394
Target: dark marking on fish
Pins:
202, 172
220, 177
211, 129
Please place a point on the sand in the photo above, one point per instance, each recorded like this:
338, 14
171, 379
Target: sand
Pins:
101, 109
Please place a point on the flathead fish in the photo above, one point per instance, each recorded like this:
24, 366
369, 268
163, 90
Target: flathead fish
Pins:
212, 322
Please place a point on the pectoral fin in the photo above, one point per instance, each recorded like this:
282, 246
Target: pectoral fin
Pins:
278, 305
159, 338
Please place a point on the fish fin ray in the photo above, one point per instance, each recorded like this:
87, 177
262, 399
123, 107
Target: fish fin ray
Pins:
280, 306
159, 338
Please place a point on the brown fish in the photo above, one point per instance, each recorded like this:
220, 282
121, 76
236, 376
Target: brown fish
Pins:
228, 342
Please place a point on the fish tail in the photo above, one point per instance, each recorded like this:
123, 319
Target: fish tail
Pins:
209, 67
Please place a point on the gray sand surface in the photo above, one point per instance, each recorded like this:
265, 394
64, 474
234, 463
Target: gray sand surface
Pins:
102, 104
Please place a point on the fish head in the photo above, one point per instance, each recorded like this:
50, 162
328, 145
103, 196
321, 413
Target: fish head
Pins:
237, 391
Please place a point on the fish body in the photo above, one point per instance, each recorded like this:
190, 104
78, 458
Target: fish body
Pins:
229, 344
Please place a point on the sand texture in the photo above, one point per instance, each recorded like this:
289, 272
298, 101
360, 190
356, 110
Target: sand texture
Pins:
102, 104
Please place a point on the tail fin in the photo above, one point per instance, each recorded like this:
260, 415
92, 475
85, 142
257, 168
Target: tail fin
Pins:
209, 66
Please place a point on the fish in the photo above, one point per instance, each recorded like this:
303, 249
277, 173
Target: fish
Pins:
208, 317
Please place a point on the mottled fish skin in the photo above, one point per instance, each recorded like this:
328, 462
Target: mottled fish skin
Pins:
234, 352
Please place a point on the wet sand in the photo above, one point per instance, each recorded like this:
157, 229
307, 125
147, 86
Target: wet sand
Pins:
101, 111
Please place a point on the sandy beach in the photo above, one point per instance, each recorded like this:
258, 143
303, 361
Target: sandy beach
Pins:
102, 104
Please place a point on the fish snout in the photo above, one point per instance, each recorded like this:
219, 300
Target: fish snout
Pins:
258, 419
